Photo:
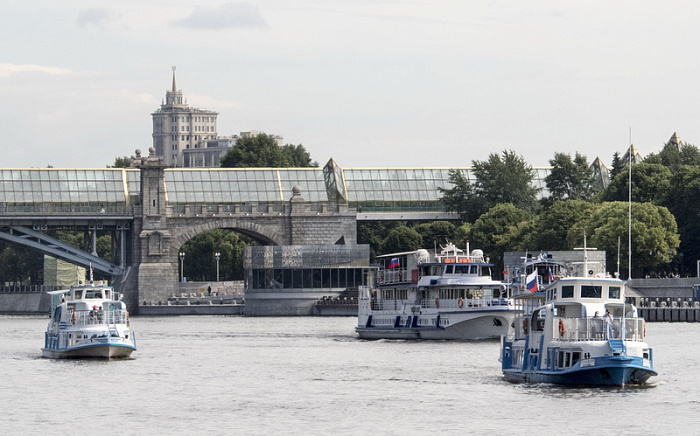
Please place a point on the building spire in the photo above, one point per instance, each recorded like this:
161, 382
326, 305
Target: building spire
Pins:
174, 87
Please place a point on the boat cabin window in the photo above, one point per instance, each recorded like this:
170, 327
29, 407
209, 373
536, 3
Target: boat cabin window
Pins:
590, 291
566, 359
449, 269
567, 291
93, 294
78, 294
465, 269
614, 292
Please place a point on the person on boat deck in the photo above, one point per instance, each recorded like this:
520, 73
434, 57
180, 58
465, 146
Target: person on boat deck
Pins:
93, 315
609, 323
100, 313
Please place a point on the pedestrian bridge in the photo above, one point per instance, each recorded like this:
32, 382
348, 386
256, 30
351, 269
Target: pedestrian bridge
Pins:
152, 210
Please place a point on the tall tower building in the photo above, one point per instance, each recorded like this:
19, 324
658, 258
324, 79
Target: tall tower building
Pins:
178, 127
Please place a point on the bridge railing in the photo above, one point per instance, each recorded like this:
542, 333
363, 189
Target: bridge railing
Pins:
250, 208
64, 209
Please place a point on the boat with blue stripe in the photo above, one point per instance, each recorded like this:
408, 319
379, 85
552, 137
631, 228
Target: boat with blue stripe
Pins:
88, 322
584, 333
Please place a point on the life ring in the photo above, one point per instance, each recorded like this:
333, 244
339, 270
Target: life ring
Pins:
561, 327
460, 302
526, 325
73, 318
437, 302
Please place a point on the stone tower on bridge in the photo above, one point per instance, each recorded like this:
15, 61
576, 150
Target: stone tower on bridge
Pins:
160, 229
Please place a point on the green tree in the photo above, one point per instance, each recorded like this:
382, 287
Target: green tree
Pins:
298, 157
20, 264
654, 235
683, 202
460, 198
373, 233
262, 151
617, 165
200, 263
650, 183
570, 179
121, 162
500, 229
551, 227
436, 233
401, 238
673, 157
505, 179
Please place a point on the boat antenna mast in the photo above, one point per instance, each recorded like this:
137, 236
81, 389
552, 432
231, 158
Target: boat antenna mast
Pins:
585, 255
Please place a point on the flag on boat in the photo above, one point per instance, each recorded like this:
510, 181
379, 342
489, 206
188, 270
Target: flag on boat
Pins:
394, 263
551, 276
532, 282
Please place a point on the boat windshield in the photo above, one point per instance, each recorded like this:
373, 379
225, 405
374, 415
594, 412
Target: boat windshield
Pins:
97, 293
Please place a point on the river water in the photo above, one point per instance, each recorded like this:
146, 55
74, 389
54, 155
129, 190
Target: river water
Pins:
305, 375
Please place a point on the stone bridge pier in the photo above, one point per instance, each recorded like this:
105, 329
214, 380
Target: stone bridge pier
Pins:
160, 230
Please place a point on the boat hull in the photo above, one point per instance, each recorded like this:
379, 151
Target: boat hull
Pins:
605, 375
101, 351
487, 325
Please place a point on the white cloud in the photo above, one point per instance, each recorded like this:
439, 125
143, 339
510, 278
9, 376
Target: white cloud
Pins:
228, 15
7, 70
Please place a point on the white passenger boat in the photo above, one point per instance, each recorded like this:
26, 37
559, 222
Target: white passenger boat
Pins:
88, 321
583, 333
424, 296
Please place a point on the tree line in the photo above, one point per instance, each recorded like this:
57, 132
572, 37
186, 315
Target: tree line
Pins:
499, 208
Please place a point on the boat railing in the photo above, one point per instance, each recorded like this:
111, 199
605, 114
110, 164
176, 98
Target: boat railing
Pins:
92, 317
587, 329
397, 275
389, 304
463, 303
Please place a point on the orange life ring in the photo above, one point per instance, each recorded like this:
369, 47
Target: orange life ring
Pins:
437, 302
526, 325
460, 302
561, 327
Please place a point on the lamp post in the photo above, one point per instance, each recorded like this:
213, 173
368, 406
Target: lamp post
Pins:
217, 255
182, 266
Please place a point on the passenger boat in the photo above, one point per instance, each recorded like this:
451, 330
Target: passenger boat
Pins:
88, 321
534, 273
420, 295
582, 333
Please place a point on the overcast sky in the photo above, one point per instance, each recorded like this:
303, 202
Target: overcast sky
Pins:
368, 83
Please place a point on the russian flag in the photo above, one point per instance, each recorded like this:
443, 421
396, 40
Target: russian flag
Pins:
532, 282
551, 276
394, 263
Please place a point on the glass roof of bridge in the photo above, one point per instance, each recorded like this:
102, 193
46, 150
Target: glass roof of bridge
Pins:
232, 185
